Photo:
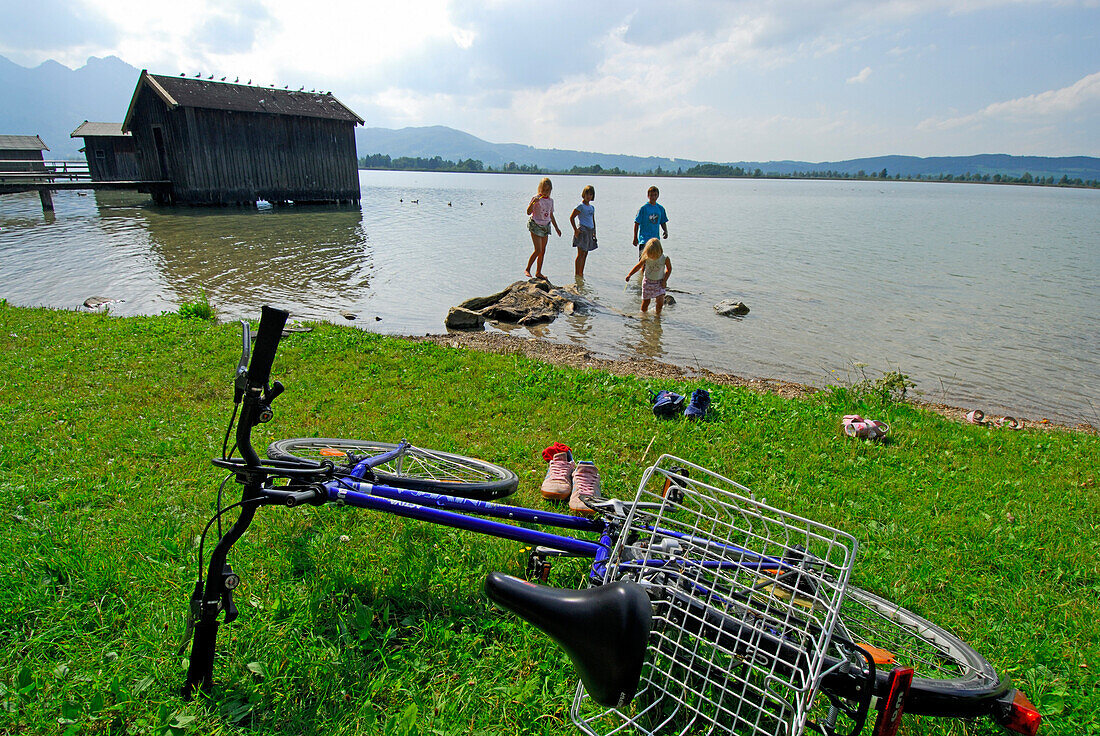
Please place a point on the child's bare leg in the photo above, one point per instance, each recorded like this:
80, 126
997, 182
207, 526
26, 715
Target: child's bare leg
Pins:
645, 305
582, 256
534, 255
541, 257
660, 304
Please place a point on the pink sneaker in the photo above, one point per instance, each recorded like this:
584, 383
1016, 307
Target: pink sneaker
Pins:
586, 483
558, 482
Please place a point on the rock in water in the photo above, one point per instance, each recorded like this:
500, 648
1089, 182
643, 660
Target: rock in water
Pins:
460, 318
525, 303
347, 315
730, 308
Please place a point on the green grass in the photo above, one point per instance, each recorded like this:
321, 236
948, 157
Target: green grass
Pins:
200, 308
109, 425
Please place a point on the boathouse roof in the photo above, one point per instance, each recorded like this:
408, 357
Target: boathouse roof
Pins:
22, 143
106, 130
205, 93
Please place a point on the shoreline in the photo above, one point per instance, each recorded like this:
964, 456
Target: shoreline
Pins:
577, 357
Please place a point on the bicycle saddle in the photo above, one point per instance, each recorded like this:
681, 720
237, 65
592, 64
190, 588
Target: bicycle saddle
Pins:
604, 630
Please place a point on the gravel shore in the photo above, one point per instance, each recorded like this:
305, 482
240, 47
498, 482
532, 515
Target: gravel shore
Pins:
576, 357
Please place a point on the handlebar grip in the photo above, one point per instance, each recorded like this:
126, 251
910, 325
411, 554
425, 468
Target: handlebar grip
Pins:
272, 321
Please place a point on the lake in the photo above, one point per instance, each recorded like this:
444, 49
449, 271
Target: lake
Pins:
986, 296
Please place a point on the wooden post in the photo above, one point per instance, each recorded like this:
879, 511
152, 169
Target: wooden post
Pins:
47, 199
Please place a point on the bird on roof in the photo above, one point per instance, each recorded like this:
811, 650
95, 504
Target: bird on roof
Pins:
300, 89
198, 75
250, 81
223, 79
236, 80
286, 86
211, 76
182, 74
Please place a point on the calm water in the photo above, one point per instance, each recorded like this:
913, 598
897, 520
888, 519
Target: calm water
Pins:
986, 296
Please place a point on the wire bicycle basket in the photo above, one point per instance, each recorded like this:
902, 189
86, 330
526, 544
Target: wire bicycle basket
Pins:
745, 598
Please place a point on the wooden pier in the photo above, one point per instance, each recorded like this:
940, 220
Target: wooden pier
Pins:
46, 177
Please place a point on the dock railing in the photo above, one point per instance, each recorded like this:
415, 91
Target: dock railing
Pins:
23, 171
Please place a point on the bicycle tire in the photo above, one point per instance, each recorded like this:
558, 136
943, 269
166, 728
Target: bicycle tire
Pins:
420, 470
951, 679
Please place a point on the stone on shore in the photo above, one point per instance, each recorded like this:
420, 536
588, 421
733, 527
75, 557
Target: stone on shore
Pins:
730, 308
530, 302
95, 302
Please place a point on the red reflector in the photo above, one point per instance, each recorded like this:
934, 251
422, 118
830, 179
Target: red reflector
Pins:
889, 717
1022, 716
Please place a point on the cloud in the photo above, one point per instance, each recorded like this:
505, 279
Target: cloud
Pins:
234, 29
1082, 94
861, 77
62, 30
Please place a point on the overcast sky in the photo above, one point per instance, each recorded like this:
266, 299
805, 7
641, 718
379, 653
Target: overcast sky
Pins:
812, 80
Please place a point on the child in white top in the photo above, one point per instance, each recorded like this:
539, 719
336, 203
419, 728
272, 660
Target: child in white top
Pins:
584, 234
541, 209
658, 268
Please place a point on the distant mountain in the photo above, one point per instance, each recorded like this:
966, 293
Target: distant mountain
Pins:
455, 145
51, 100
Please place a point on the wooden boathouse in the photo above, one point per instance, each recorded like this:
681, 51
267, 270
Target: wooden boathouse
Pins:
222, 143
21, 154
110, 152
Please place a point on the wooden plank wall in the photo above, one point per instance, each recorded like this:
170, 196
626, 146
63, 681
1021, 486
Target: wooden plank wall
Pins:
224, 157
119, 162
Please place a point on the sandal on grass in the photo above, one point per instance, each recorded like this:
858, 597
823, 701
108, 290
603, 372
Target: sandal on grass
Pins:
975, 416
867, 429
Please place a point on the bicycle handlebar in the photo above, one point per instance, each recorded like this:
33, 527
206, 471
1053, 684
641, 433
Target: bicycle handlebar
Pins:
272, 321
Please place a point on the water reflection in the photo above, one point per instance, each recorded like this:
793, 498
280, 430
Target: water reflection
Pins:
318, 258
649, 331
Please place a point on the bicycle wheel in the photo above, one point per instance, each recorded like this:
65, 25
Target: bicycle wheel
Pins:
951, 679
417, 469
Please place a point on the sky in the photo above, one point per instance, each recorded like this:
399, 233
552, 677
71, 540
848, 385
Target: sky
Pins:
733, 80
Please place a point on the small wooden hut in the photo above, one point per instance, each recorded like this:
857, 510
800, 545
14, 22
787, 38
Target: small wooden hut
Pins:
223, 143
110, 152
21, 154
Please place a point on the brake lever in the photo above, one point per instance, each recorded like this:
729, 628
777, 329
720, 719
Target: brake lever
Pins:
240, 381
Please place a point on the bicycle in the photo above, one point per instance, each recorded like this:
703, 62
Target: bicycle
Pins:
707, 610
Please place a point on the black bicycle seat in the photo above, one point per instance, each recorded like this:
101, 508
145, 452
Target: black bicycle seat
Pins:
604, 630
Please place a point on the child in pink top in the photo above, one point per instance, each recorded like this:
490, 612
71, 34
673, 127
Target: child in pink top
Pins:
541, 209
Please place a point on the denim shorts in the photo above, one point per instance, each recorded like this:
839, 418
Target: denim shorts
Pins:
585, 239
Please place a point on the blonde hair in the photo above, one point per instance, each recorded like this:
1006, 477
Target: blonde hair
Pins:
545, 185
590, 191
653, 249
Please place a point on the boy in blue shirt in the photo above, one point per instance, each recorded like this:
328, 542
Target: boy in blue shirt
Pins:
650, 220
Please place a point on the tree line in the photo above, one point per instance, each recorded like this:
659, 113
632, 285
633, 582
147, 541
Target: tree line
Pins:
438, 163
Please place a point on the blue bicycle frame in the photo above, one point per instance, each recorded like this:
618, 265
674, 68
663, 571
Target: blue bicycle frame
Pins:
453, 511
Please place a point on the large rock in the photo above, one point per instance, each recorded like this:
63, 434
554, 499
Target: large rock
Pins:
524, 303
730, 308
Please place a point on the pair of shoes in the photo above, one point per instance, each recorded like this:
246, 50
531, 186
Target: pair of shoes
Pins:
867, 429
667, 404
975, 416
574, 481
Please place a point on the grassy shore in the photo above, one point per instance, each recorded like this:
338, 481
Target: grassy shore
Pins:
353, 623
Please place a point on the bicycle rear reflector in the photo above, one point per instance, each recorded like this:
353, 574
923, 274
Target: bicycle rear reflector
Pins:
1022, 716
889, 718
